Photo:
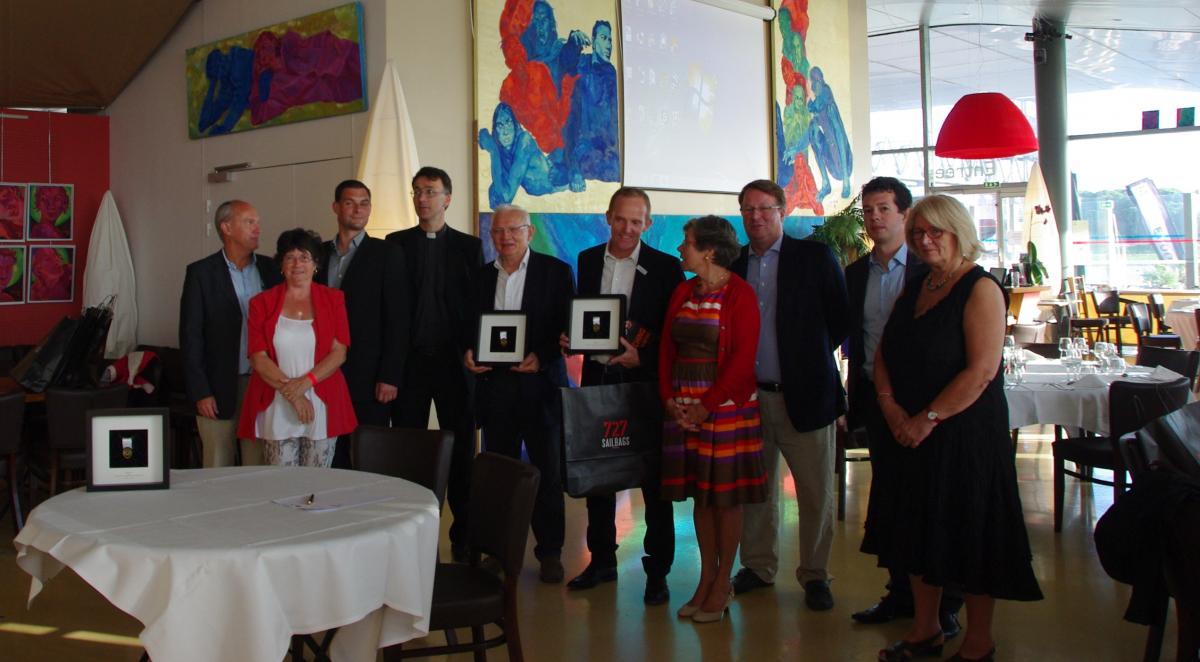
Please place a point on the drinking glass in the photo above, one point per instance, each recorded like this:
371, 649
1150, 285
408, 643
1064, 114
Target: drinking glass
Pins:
1071, 361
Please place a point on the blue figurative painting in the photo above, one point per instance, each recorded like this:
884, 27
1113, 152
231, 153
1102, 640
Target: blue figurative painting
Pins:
552, 104
565, 235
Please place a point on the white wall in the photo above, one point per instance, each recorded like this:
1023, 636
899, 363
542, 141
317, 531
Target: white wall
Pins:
158, 173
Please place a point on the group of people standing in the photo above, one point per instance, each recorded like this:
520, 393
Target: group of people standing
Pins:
743, 355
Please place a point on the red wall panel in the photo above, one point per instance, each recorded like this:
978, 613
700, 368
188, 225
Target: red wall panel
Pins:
62, 149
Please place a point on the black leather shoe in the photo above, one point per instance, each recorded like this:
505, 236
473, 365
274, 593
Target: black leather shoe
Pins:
901, 651
887, 609
460, 553
817, 595
747, 580
591, 576
657, 591
950, 624
551, 571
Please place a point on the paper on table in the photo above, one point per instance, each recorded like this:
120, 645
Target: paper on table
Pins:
335, 501
1162, 374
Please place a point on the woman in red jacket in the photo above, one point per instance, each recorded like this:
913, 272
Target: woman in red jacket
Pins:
297, 402
712, 440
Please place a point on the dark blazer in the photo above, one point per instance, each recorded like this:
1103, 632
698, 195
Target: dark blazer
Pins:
377, 304
811, 320
656, 277
464, 257
546, 302
856, 284
210, 328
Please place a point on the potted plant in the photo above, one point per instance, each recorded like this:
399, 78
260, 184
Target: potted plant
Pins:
1033, 266
844, 233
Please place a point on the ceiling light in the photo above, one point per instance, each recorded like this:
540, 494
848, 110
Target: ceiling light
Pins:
984, 126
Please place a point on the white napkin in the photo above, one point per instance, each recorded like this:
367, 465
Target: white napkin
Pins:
1091, 381
1030, 356
1162, 374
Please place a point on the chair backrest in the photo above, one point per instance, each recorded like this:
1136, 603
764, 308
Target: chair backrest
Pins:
66, 412
1183, 361
1158, 309
1106, 302
1173, 439
1140, 317
1131, 405
12, 417
422, 456
1044, 349
502, 495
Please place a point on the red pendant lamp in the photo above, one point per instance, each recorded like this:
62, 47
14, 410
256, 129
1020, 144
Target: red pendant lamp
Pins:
986, 125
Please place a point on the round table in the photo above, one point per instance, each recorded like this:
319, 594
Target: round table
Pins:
217, 568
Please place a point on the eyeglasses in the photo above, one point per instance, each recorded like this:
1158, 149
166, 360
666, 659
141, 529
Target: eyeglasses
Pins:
301, 258
749, 211
932, 233
426, 192
508, 232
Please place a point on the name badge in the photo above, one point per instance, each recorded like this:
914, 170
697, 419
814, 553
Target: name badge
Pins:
641, 270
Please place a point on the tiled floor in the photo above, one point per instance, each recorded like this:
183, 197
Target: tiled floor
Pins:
1080, 619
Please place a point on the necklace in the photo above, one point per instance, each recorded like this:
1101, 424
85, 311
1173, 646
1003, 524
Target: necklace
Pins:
933, 287
716, 284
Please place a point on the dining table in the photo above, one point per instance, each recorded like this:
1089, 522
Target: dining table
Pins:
1048, 395
1181, 317
230, 563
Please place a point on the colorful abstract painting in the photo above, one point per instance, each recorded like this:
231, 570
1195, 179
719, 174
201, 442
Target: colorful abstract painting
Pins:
546, 104
51, 211
51, 274
303, 69
810, 52
565, 235
12, 275
12, 212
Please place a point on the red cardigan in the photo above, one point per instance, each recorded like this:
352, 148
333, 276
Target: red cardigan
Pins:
737, 345
329, 323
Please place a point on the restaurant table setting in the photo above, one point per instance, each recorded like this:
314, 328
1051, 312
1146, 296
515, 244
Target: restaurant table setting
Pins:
229, 563
1181, 317
1070, 391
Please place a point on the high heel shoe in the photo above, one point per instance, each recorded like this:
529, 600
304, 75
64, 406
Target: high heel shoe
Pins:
713, 616
687, 610
907, 650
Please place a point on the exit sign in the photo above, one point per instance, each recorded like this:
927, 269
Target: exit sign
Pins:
991, 185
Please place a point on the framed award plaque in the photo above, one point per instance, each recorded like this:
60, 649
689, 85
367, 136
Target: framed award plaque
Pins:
596, 324
501, 339
128, 449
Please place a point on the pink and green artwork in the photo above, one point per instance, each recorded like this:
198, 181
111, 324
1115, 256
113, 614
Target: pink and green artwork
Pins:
51, 211
306, 68
12, 275
12, 212
51, 274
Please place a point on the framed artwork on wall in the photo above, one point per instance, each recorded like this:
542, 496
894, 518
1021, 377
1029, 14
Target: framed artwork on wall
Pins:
51, 272
12, 275
12, 211
51, 211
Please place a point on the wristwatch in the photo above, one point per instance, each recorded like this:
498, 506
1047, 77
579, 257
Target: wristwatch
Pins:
933, 417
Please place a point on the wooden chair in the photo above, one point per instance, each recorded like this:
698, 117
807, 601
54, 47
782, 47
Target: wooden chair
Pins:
172, 394
12, 417
1131, 405
502, 495
1140, 315
852, 439
418, 455
67, 433
1158, 310
1183, 361
1046, 350
1107, 304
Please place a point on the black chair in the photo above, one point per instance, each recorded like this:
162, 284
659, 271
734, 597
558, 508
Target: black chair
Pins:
1140, 315
1158, 310
1107, 304
1183, 361
502, 494
1131, 405
67, 433
421, 456
852, 439
12, 418
1047, 350
172, 394
1094, 328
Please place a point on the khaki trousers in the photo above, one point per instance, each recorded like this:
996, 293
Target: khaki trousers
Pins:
809, 456
217, 437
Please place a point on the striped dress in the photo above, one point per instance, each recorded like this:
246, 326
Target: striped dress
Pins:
721, 463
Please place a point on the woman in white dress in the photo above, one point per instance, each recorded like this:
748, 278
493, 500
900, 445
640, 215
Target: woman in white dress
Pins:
297, 402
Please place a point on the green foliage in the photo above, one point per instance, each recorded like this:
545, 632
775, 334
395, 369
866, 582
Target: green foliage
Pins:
844, 233
1161, 277
1037, 270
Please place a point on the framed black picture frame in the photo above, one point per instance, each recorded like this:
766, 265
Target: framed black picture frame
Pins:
596, 324
502, 338
128, 449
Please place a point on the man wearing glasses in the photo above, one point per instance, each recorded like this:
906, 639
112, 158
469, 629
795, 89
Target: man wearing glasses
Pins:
441, 264
802, 303
370, 272
520, 403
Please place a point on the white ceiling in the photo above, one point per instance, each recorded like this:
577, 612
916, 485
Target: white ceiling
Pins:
1116, 44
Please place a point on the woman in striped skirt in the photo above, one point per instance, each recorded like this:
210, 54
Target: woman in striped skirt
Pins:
712, 440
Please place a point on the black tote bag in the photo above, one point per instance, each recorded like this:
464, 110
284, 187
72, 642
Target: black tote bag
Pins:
612, 437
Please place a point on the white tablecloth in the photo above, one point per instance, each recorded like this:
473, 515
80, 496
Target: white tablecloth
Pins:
1045, 397
1181, 318
216, 571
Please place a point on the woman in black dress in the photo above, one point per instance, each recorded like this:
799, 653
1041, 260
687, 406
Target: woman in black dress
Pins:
953, 514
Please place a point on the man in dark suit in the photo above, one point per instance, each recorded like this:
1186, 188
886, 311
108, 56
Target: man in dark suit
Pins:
442, 263
802, 303
521, 402
370, 272
646, 277
212, 330
875, 281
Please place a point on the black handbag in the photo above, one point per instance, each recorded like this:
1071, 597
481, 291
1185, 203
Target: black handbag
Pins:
44, 364
612, 437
